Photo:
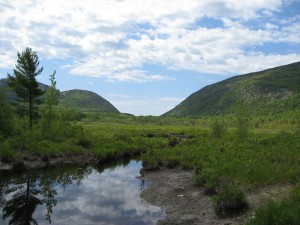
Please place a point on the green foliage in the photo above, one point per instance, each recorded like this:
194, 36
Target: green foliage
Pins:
297, 122
6, 125
49, 111
242, 114
230, 201
23, 81
286, 212
7, 153
218, 128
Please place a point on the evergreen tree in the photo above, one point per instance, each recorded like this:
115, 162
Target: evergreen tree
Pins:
23, 81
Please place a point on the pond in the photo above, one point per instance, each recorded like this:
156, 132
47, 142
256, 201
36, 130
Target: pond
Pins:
86, 195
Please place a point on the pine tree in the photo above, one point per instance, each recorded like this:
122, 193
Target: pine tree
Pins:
23, 81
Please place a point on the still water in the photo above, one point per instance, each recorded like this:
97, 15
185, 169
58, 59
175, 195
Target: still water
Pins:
86, 195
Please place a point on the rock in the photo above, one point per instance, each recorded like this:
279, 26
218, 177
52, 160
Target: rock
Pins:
5, 166
187, 220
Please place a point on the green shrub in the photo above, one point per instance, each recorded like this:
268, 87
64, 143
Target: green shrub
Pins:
230, 201
210, 187
7, 154
286, 212
243, 118
218, 128
275, 213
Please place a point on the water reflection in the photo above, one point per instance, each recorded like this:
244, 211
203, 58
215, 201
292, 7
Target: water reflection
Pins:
77, 196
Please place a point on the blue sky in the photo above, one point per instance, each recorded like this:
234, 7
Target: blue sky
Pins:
146, 56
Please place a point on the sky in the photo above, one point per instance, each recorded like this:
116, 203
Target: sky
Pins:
147, 56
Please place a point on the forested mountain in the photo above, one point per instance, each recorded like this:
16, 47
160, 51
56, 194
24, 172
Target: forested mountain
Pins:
79, 99
87, 101
270, 91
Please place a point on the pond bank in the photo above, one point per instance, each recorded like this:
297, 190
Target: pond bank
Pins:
35, 162
185, 204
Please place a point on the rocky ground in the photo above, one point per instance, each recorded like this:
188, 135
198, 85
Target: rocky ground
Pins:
186, 204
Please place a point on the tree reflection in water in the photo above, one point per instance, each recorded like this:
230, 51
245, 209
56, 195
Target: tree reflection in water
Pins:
26, 192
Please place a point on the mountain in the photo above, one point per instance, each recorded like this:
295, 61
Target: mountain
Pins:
86, 101
11, 95
270, 91
78, 99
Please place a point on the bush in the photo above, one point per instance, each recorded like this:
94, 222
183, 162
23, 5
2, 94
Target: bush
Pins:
218, 128
243, 118
230, 201
7, 154
286, 212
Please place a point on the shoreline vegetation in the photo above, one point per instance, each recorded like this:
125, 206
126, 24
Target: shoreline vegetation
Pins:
228, 156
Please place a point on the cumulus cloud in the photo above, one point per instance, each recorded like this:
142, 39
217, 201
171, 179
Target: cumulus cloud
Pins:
115, 39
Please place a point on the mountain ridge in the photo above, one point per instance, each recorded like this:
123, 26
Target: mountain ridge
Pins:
82, 100
275, 89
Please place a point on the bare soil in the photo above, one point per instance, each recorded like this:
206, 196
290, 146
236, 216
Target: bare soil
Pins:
185, 204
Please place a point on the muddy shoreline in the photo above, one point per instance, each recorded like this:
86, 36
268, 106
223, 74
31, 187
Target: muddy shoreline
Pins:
185, 204
35, 162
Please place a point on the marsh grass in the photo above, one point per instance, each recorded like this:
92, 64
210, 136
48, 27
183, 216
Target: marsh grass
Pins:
264, 158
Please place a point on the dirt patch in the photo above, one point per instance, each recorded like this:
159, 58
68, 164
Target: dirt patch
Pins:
186, 204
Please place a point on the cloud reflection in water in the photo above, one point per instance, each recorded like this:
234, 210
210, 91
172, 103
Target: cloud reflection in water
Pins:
110, 197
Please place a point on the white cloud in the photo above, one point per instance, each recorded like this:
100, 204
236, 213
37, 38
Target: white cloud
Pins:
114, 39
6, 60
146, 106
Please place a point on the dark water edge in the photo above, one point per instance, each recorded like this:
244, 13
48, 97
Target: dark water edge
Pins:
77, 195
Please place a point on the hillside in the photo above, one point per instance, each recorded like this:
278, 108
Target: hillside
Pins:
86, 101
78, 99
270, 91
11, 94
